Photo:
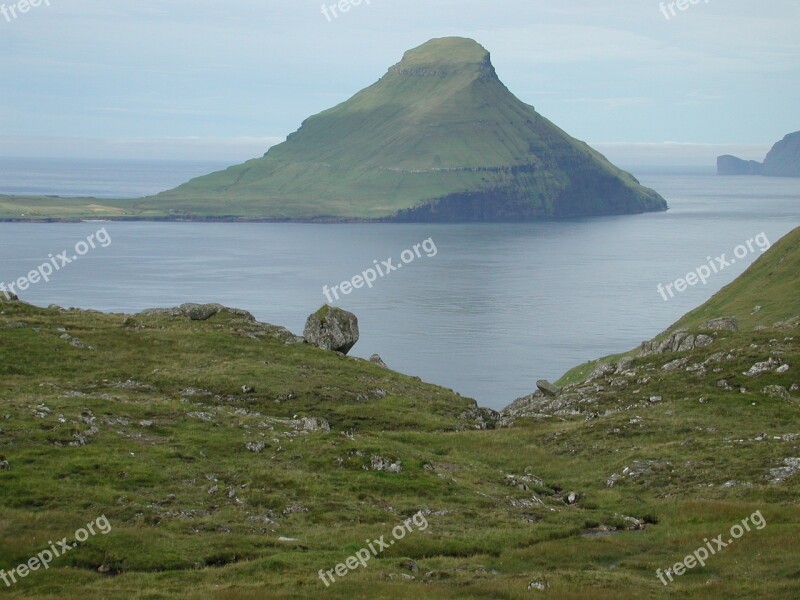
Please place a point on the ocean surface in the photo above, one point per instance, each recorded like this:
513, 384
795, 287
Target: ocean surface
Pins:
494, 308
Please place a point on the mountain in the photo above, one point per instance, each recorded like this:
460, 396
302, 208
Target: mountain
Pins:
783, 160
438, 138
231, 460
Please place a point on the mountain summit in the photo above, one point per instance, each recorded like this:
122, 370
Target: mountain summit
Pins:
438, 138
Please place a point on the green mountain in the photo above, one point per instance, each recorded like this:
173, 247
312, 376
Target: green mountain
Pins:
438, 138
232, 462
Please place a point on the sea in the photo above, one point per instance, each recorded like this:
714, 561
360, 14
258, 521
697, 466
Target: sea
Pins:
483, 309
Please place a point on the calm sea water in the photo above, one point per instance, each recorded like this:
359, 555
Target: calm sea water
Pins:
498, 307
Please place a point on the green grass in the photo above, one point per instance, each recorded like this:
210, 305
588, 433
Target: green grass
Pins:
196, 514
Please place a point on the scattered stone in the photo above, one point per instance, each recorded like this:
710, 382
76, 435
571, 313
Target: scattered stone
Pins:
721, 324
538, 585
332, 328
655, 399
200, 312
547, 388
780, 474
762, 367
777, 391
246, 389
294, 508
782, 369
375, 359
379, 463
286, 539
601, 371
257, 447
675, 364
572, 498
4, 464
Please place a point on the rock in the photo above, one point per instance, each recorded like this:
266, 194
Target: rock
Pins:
547, 388
777, 391
379, 463
701, 341
246, 389
780, 474
256, 447
762, 367
782, 369
375, 359
572, 498
4, 464
624, 364
410, 565
332, 328
8, 297
601, 371
675, 364
538, 585
721, 324
200, 312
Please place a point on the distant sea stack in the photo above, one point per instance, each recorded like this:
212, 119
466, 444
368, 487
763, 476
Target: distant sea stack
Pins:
782, 161
438, 138
730, 165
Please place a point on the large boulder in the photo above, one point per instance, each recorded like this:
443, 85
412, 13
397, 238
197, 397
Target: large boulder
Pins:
8, 296
332, 328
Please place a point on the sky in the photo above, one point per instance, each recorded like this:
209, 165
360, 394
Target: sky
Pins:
213, 80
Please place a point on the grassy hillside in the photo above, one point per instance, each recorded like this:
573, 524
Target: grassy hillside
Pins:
764, 294
233, 462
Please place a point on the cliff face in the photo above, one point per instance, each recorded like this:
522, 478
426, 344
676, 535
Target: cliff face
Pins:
784, 158
438, 137
782, 161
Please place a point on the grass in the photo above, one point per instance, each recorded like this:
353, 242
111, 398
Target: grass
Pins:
144, 419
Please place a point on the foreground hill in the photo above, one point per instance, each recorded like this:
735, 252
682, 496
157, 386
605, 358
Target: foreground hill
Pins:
438, 138
233, 461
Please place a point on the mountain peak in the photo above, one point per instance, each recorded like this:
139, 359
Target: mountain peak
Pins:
444, 56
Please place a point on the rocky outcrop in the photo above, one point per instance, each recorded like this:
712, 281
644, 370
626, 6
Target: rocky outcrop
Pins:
332, 328
8, 297
196, 312
679, 341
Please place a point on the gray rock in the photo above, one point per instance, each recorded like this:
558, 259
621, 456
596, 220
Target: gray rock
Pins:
791, 467
572, 498
379, 463
332, 328
200, 312
777, 391
721, 324
8, 297
547, 388
375, 359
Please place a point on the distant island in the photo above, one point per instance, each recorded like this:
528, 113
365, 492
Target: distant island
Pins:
782, 161
438, 138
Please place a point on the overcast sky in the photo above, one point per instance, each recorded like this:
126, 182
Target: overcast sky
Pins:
202, 79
